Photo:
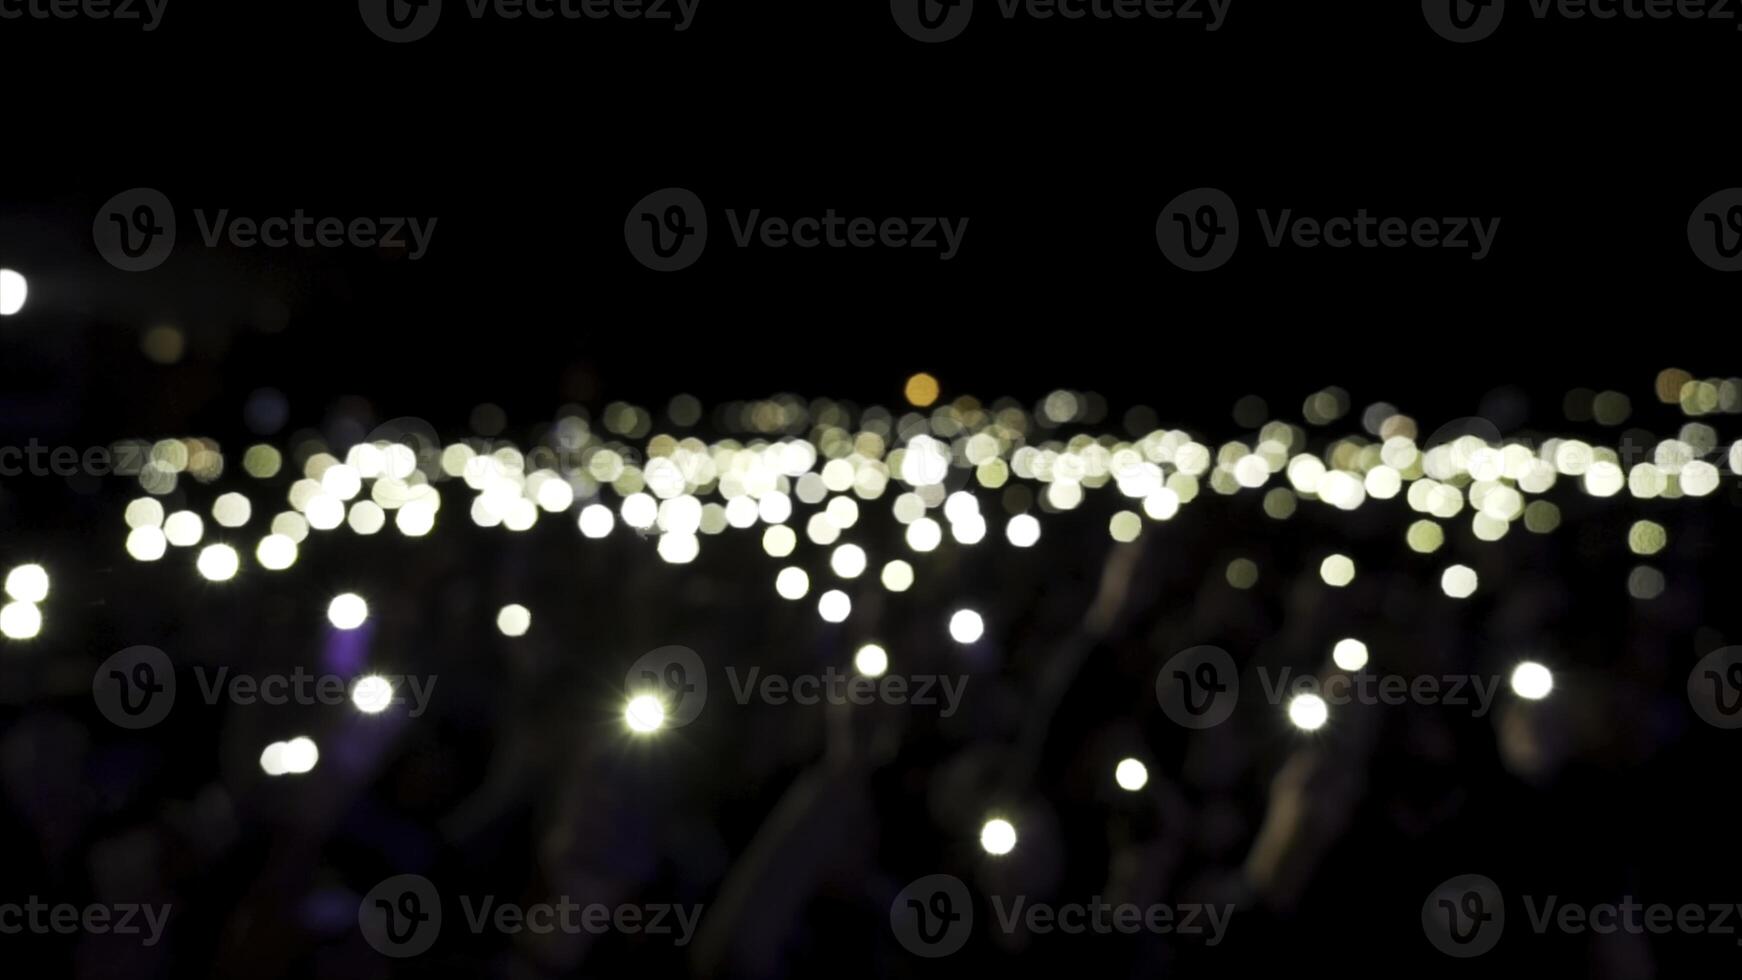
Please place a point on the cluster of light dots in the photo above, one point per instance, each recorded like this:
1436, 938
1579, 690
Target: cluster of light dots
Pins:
26, 588
795, 491
293, 758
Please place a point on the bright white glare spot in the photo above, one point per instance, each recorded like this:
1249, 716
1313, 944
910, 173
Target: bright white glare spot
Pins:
347, 611
183, 528
639, 510
834, 606
366, 517
871, 660
1131, 775
1023, 530
300, 755
775, 508
596, 520
294, 757
924, 534
372, 694
792, 583
898, 576
144, 512
20, 620
848, 561
679, 547
276, 552
779, 540
325, 511
27, 583
1308, 712
1349, 654
1459, 581
1337, 570
218, 562
998, 837
514, 619
146, 543
966, 626
1532, 681
13, 290
644, 713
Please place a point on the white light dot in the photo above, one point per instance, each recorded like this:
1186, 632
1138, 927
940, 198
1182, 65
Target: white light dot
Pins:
366, 517
27, 583
1532, 681
1337, 570
146, 543
347, 611
276, 552
792, 583
272, 759
147, 512
1131, 775
1349, 654
1023, 530
596, 520
514, 619
1459, 581
372, 695
300, 755
679, 547
183, 528
848, 561
20, 620
1308, 712
998, 836
966, 626
898, 576
13, 290
218, 562
924, 534
639, 511
834, 606
644, 713
871, 660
